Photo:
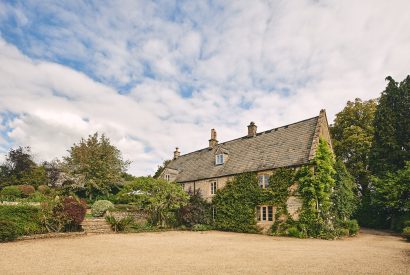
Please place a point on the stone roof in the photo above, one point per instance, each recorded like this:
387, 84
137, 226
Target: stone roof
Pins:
285, 146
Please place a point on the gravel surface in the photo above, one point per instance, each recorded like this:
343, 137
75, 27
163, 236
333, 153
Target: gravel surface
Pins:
174, 252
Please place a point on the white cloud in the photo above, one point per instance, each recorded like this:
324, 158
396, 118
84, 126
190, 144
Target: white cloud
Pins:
266, 61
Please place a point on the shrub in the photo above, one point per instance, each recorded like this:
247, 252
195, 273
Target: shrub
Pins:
353, 227
343, 232
201, 227
197, 211
38, 197
26, 190
8, 231
99, 208
119, 224
26, 218
294, 232
74, 210
142, 227
44, 189
406, 233
10, 192
63, 214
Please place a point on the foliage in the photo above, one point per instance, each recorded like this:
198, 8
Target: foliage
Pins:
406, 233
315, 187
142, 227
119, 224
159, 197
294, 232
26, 190
161, 168
62, 214
392, 193
352, 226
391, 147
96, 165
344, 196
197, 211
10, 192
352, 134
25, 217
53, 170
43, 189
236, 204
99, 208
8, 231
74, 209
18, 167
201, 227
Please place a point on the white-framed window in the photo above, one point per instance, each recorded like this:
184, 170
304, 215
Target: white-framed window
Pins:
213, 213
167, 177
219, 159
214, 187
263, 181
264, 213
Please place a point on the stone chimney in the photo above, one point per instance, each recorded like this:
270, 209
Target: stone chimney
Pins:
252, 129
213, 142
176, 153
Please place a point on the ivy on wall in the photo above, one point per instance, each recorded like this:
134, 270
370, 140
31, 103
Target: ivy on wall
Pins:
325, 188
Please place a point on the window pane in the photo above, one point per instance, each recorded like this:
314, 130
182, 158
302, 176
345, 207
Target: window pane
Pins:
258, 213
264, 213
270, 213
266, 181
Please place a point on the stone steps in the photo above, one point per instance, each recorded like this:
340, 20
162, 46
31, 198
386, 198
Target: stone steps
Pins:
96, 225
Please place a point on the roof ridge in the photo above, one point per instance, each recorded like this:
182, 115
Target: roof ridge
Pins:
283, 126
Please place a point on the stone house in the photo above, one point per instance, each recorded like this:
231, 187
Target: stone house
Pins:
209, 169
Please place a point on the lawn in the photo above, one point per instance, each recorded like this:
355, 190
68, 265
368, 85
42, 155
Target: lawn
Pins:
206, 253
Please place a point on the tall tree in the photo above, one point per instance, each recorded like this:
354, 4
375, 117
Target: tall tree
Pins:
352, 134
391, 147
20, 168
97, 163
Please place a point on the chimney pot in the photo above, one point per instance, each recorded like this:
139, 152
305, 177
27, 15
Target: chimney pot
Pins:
252, 129
176, 153
213, 141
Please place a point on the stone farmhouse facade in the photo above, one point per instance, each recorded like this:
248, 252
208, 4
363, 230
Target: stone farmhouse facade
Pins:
209, 169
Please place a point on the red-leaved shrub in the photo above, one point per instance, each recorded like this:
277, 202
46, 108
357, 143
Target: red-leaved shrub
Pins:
26, 190
74, 210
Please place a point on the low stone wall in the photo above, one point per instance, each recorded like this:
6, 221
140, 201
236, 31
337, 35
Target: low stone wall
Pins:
19, 202
52, 235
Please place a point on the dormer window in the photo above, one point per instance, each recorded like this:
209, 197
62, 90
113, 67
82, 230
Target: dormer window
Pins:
219, 159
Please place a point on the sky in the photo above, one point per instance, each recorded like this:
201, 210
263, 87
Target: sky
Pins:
154, 75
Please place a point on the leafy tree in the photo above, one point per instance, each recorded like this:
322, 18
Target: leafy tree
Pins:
161, 168
20, 168
391, 147
53, 170
352, 134
344, 196
236, 204
97, 164
392, 194
159, 197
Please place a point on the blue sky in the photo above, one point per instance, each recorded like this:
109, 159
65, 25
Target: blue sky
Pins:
153, 75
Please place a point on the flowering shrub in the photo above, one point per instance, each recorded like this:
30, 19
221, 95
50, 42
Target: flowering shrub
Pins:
99, 208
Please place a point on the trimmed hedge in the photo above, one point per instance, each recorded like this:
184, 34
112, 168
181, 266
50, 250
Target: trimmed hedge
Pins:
10, 192
8, 231
25, 217
26, 190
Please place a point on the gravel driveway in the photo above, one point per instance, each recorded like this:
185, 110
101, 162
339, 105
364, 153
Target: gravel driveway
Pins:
206, 253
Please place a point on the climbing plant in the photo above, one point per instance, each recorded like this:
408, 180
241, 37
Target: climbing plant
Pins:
316, 183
